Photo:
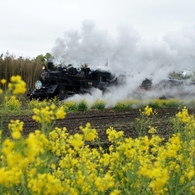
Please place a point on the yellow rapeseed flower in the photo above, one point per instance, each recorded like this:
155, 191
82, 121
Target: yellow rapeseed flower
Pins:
152, 130
60, 113
76, 141
16, 125
190, 173
90, 134
17, 85
148, 110
3, 81
105, 183
114, 135
68, 162
8, 146
16, 135
45, 184
4, 175
115, 192
183, 116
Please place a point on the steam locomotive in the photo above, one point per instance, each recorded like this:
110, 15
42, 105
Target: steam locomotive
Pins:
65, 82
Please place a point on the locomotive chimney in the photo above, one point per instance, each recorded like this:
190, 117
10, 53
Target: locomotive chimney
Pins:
50, 65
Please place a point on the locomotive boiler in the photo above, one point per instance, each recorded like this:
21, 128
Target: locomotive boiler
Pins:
65, 82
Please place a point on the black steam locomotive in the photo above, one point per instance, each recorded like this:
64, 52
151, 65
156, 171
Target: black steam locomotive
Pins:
65, 82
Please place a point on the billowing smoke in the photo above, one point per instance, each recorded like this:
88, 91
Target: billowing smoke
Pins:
127, 53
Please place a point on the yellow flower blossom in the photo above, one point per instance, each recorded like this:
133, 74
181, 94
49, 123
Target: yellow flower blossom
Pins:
60, 114
8, 146
148, 110
90, 134
152, 130
3, 81
115, 192
191, 173
68, 162
183, 116
16, 135
76, 141
105, 183
113, 135
45, 184
16, 125
17, 85
48, 114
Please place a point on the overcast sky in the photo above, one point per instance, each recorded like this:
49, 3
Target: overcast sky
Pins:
151, 30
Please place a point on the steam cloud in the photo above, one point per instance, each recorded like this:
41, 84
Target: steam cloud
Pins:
126, 53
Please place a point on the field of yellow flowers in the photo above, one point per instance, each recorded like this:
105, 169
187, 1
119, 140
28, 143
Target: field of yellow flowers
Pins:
50, 160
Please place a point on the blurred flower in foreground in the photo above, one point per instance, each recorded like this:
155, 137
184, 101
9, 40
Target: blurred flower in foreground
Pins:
3, 81
17, 85
148, 110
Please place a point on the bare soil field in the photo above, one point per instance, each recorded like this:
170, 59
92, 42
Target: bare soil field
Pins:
101, 120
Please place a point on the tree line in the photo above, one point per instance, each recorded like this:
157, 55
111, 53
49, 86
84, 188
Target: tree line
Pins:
28, 69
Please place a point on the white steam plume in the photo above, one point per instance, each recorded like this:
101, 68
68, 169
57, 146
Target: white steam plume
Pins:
126, 53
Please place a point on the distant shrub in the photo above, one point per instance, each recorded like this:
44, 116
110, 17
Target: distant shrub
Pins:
127, 104
13, 104
120, 106
99, 105
173, 103
70, 106
37, 104
82, 105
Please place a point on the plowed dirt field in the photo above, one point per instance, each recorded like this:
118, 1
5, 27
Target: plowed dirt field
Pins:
101, 120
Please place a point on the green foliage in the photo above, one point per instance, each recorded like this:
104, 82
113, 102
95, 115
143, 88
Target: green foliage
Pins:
99, 105
127, 104
13, 105
43, 58
40, 58
82, 105
121, 106
145, 120
37, 104
70, 106
48, 56
166, 103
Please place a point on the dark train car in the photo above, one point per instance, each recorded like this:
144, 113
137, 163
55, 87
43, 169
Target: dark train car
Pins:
169, 88
65, 82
